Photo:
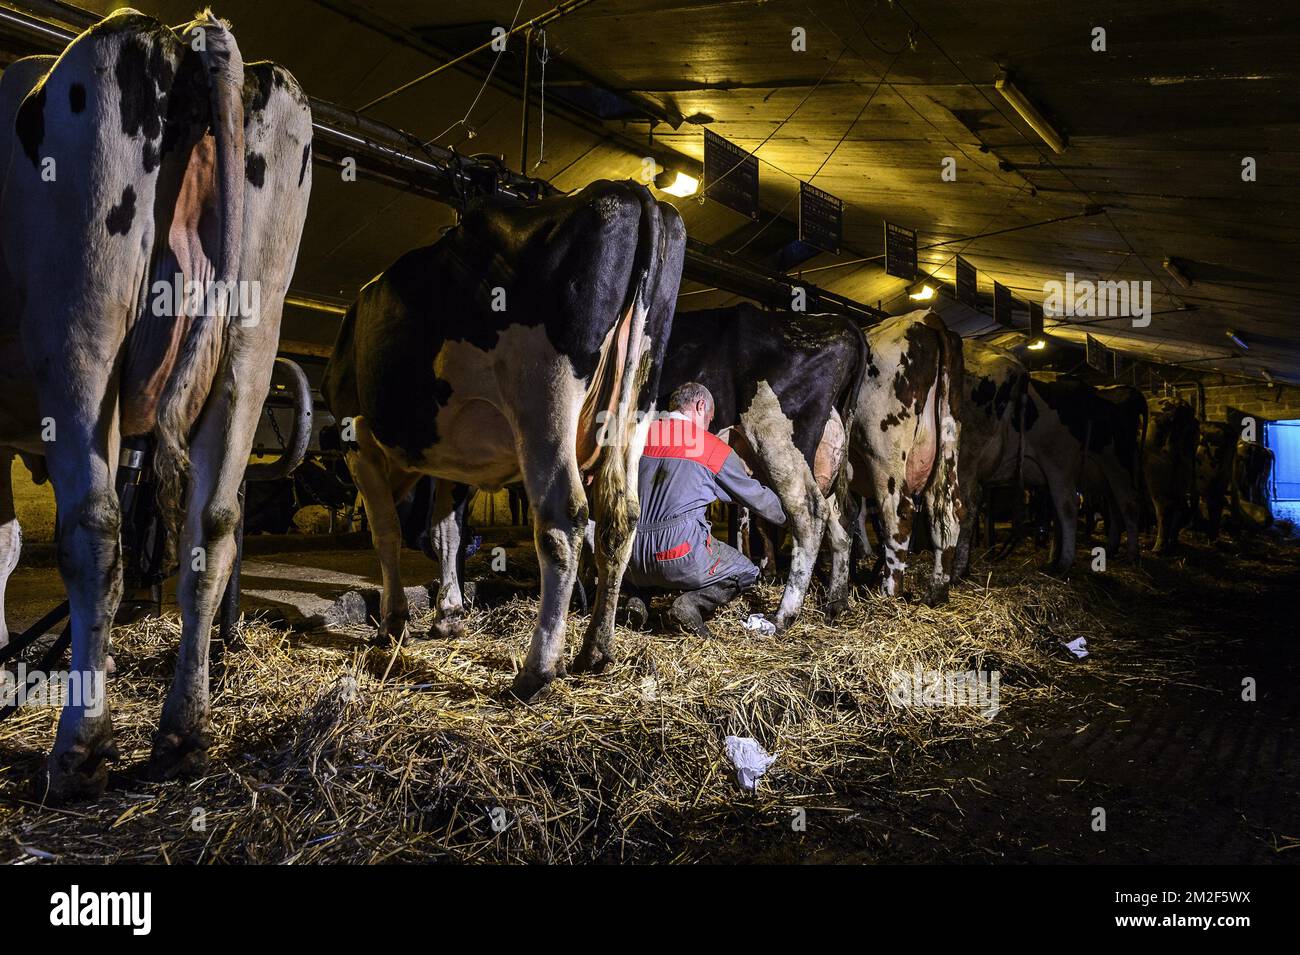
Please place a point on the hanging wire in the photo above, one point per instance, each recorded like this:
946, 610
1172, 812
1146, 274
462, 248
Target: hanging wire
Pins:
543, 57
464, 121
834, 149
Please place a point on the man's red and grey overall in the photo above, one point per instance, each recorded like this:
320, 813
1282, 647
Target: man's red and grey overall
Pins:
683, 470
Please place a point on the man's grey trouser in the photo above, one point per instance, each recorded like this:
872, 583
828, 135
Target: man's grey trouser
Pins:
682, 554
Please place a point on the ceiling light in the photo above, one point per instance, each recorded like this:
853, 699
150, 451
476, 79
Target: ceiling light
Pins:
923, 294
1030, 114
677, 184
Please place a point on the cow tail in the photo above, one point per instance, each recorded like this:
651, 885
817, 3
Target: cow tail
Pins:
223, 69
616, 475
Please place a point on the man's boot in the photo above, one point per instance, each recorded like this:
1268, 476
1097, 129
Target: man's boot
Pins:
690, 610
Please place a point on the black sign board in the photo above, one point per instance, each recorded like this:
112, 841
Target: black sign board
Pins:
900, 251
967, 292
1035, 321
1001, 304
821, 219
730, 175
1100, 357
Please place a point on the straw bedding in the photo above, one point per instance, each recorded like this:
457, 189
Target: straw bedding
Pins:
328, 750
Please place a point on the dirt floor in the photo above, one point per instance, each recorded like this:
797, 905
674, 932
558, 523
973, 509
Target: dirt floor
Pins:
1158, 736
1150, 728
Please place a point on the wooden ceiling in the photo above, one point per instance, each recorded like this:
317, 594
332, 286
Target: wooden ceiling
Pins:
1158, 126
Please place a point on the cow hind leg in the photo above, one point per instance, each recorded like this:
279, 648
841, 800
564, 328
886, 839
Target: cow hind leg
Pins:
1065, 507
559, 521
371, 474
82, 462
447, 523
945, 509
11, 538
839, 539
895, 506
965, 536
218, 458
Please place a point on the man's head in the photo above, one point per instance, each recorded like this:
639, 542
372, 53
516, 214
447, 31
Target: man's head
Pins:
694, 401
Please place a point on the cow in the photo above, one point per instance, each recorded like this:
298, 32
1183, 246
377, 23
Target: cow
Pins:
1252, 466
525, 344
992, 416
1232, 473
1087, 440
1216, 463
1172, 436
154, 193
784, 387
904, 440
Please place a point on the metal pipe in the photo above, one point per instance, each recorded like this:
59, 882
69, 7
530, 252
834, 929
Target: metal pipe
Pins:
388, 155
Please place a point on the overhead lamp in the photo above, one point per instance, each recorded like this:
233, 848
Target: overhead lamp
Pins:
677, 183
1174, 268
923, 294
1238, 340
1030, 114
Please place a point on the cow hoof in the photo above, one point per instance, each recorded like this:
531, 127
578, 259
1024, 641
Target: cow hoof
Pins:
80, 772
835, 609
937, 596
447, 628
528, 685
391, 630
177, 755
592, 658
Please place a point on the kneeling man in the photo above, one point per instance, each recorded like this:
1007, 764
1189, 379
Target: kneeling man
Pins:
683, 470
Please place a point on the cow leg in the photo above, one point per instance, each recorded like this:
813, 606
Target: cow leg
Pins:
218, 457
371, 473
559, 505
946, 510
446, 525
1114, 525
11, 537
896, 533
965, 535
1065, 507
82, 463
839, 537
807, 522
615, 533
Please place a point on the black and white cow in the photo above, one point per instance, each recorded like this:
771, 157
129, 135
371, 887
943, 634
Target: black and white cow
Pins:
1169, 464
785, 385
154, 193
526, 343
992, 418
904, 439
1076, 438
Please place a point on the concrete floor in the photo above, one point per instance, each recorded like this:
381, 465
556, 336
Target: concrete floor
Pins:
296, 581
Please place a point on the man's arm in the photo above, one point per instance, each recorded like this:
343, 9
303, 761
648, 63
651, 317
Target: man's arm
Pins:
738, 486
